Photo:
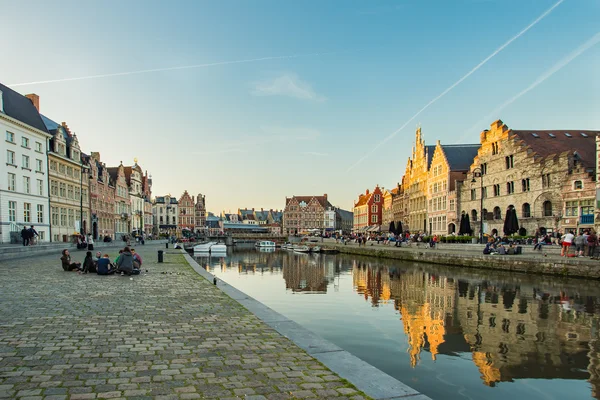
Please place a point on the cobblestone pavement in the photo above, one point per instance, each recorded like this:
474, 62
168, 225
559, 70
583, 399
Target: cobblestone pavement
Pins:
164, 334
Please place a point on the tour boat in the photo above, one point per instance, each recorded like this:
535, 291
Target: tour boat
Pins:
302, 249
210, 247
264, 243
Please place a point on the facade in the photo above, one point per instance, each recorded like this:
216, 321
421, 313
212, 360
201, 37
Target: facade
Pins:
147, 194
122, 207
24, 197
387, 214
200, 213
69, 184
449, 164
136, 196
332, 220
398, 208
547, 176
102, 198
165, 213
303, 213
187, 214
346, 220
415, 185
368, 210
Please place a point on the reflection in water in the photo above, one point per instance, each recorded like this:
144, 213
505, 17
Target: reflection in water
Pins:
513, 328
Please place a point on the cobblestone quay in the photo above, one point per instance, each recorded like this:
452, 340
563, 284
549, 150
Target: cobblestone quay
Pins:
165, 334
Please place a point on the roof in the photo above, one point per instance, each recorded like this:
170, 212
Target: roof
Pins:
346, 215
113, 173
261, 215
549, 142
233, 225
429, 150
460, 156
362, 200
277, 215
19, 107
321, 199
161, 199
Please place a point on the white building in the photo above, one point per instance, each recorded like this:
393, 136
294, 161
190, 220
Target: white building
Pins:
24, 172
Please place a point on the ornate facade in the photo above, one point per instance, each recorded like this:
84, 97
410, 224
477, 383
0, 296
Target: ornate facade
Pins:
303, 213
416, 188
187, 214
122, 215
165, 211
102, 198
368, 210
200, 213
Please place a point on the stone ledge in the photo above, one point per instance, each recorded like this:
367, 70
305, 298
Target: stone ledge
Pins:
365, 377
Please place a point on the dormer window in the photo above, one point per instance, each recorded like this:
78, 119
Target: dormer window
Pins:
577, 185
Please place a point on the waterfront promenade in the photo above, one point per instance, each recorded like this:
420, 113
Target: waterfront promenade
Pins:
168, 334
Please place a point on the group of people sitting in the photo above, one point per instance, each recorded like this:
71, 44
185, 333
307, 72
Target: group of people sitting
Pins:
128, 262
500, 248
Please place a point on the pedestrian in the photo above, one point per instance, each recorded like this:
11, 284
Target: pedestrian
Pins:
592, 243
25, 236
32, 233
580, 241
567, 241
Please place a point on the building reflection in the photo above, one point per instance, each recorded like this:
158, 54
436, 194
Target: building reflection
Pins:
512, 332
304, 273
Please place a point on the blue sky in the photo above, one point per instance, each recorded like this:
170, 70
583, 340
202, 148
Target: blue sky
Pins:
249, 134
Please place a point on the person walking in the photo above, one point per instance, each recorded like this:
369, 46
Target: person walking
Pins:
32, 233
25, 236
592, 242
567, 241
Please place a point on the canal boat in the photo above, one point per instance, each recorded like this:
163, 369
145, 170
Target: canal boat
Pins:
264, 243
302, 249
210, 247
315, 249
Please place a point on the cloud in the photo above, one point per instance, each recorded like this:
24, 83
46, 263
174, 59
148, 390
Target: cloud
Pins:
314, 153
287, 85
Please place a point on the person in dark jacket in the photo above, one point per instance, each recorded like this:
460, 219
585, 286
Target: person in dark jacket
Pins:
125, 263
89, 265
25, 236
66, 262
104, 266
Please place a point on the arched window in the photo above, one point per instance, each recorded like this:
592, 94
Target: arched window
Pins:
473, 215
547, 208
497, 213
484, 214
451, 229
526, 211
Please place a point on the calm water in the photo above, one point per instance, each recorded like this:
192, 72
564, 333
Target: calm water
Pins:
450, 333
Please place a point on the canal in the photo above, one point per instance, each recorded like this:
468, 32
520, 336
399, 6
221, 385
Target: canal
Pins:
448, 332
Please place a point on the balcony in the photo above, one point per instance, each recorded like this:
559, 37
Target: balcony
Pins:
587, 219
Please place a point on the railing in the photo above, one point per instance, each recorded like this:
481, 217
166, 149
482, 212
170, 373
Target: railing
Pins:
587, 219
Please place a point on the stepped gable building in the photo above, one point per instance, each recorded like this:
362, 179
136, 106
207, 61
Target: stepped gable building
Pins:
147, 195
23, 199
122, 207
449, 164
200, 213
415, 185
302, 213
368, 211
68, 180
102, 198
398, 207
165, 212
546, 175
187, 214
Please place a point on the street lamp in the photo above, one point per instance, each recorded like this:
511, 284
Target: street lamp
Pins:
478, 172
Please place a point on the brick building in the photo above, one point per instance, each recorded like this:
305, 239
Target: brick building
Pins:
200, 213
187, 214
303, 213
122, 215
102, 198
368, 210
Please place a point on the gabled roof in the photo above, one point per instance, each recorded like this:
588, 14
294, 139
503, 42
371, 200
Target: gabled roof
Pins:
261, 215
19, 107
550, 142
277, 215
429, 150
113, 173
460, 156
347, 215
322, 200
363, 199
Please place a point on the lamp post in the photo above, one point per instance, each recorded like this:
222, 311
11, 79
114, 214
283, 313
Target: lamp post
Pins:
478, 172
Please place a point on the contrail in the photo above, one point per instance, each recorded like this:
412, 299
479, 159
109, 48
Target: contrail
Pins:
145, 71
455, 84
594, 40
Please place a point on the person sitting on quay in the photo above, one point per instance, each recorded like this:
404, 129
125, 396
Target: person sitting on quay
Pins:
67, 265
489, 248
501, 249
125, 262
89, 265
104, 266
137, 259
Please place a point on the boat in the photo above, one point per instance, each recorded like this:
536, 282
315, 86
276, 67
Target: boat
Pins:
302, 249
210, 247
264, 243
315, 249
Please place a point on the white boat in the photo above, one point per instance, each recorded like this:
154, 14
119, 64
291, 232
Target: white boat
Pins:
210, 247
302, 249
264, 243
315, 249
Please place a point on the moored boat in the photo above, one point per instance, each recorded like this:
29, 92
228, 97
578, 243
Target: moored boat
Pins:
315, 249
301, 249
264, 243
210, 247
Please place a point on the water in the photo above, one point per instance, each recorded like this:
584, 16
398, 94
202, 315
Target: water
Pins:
448, 332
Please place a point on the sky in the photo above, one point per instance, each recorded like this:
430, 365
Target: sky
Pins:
252, 102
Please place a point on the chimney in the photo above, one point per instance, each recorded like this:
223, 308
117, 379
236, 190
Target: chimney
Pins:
35, 100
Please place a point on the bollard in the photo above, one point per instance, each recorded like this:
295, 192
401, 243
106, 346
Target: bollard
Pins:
167, 245
160, 256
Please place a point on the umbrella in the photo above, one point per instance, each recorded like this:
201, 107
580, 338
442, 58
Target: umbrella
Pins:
392, 228
468, 229
465, 225
399, 229
511, 224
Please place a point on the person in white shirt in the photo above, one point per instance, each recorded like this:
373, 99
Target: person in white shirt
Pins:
567, 241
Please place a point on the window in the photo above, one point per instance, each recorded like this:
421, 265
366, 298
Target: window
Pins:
496, 190
525, 185
474, 215
12, 211
52, 165
61, 168
63, 217
76, 173
571, 209
26, 185
70, 171
38, 147
452, 206
547, 208
484, 214
587, 207
27, 212
71, 217
373, 208
11, 182
84, 195
76, 156
54, 188
40, 214
77, 193
25, 162
510, 187
526, 211
473, 194
497, 213
484, 168
25, 142
10, 137
377, 198
546, 180
38, 165
578, 185
55, 216
10, 157
373, 218
509, 162
40, 187
70, 192
495, 149
63, 189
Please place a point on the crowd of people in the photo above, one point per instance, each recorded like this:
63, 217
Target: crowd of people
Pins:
585, 243
128, 262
